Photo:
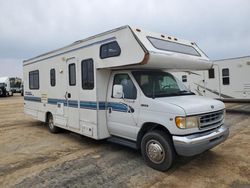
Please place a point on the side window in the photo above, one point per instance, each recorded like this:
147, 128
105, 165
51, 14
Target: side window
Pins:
211, 73
225, 76
72, 74
52, 77
88, 74
110, 49
129, 88
34, 79
184, 78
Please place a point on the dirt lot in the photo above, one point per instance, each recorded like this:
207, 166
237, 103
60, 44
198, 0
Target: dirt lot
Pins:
32, 157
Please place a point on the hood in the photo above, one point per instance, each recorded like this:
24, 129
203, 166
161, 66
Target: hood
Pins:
193, 104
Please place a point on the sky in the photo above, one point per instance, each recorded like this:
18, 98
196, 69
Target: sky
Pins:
28, 28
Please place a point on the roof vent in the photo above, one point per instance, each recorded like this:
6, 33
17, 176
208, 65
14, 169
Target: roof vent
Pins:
138, 30
162, 36
248, 63
169, 38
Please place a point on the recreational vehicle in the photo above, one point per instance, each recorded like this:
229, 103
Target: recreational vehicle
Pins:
5, 89
116, 86
228, 80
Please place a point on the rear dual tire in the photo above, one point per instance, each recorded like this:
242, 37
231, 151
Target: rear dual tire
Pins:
157, 150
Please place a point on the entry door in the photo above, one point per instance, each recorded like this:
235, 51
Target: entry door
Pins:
122, 114
72, 94
213, 83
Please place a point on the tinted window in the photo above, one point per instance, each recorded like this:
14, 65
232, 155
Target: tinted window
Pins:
184, 78
72, 74
225, 77
129, 89
225, 72
88, 74
173, 46
52, 77
211, 73
111, 49
34, 79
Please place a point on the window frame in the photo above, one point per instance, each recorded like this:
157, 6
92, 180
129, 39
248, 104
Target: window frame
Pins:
225, 77
150, 37
52, 72
108, 56
32, 73
211, 73
120, 84
85, 61
69, 74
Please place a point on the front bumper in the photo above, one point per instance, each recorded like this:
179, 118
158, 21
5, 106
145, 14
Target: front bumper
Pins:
197, 143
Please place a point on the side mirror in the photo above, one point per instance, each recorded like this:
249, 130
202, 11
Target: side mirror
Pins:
118, 91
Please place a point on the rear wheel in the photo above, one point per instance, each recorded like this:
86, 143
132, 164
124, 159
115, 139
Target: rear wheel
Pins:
51, 125
157, 150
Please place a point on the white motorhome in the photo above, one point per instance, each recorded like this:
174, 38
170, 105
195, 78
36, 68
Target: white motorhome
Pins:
112, 86
228, 80
5, 89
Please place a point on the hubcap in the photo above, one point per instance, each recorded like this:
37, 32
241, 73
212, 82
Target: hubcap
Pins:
155, 151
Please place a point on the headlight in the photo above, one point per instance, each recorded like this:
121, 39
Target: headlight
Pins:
187, 122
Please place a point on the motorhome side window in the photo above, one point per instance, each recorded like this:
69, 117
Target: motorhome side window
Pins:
211, 73
129, 89
34, 79
72, 74
225, 77
88, 74
184, 78
52, 77
110, 49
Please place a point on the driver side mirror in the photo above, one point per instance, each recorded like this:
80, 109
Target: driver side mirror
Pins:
118, 91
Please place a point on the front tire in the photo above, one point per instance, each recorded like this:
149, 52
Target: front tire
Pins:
52, 128
157, 150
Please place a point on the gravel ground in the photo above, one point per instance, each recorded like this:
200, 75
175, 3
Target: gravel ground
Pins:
32, 157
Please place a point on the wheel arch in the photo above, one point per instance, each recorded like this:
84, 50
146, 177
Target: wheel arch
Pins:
47, 116
149, 126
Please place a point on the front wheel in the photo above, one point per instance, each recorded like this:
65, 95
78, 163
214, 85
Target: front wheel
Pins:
51, 125
157, 150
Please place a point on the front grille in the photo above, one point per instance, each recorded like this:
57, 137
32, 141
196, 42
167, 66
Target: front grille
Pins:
211, 119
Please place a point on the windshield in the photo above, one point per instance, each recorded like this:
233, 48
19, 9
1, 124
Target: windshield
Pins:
160, 84
2, 84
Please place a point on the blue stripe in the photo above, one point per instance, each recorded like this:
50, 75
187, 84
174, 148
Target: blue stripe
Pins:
33, 99
86, 46
73, 104
55, 101
118, 107
91, 105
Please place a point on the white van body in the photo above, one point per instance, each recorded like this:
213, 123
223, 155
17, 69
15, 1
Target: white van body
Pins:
228, 80
5, 83
94, 102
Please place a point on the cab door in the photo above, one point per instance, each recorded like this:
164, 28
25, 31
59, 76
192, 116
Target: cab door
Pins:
72, 94
123, 113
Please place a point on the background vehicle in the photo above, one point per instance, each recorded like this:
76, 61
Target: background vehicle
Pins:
5, 87
228, 80
111, 86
